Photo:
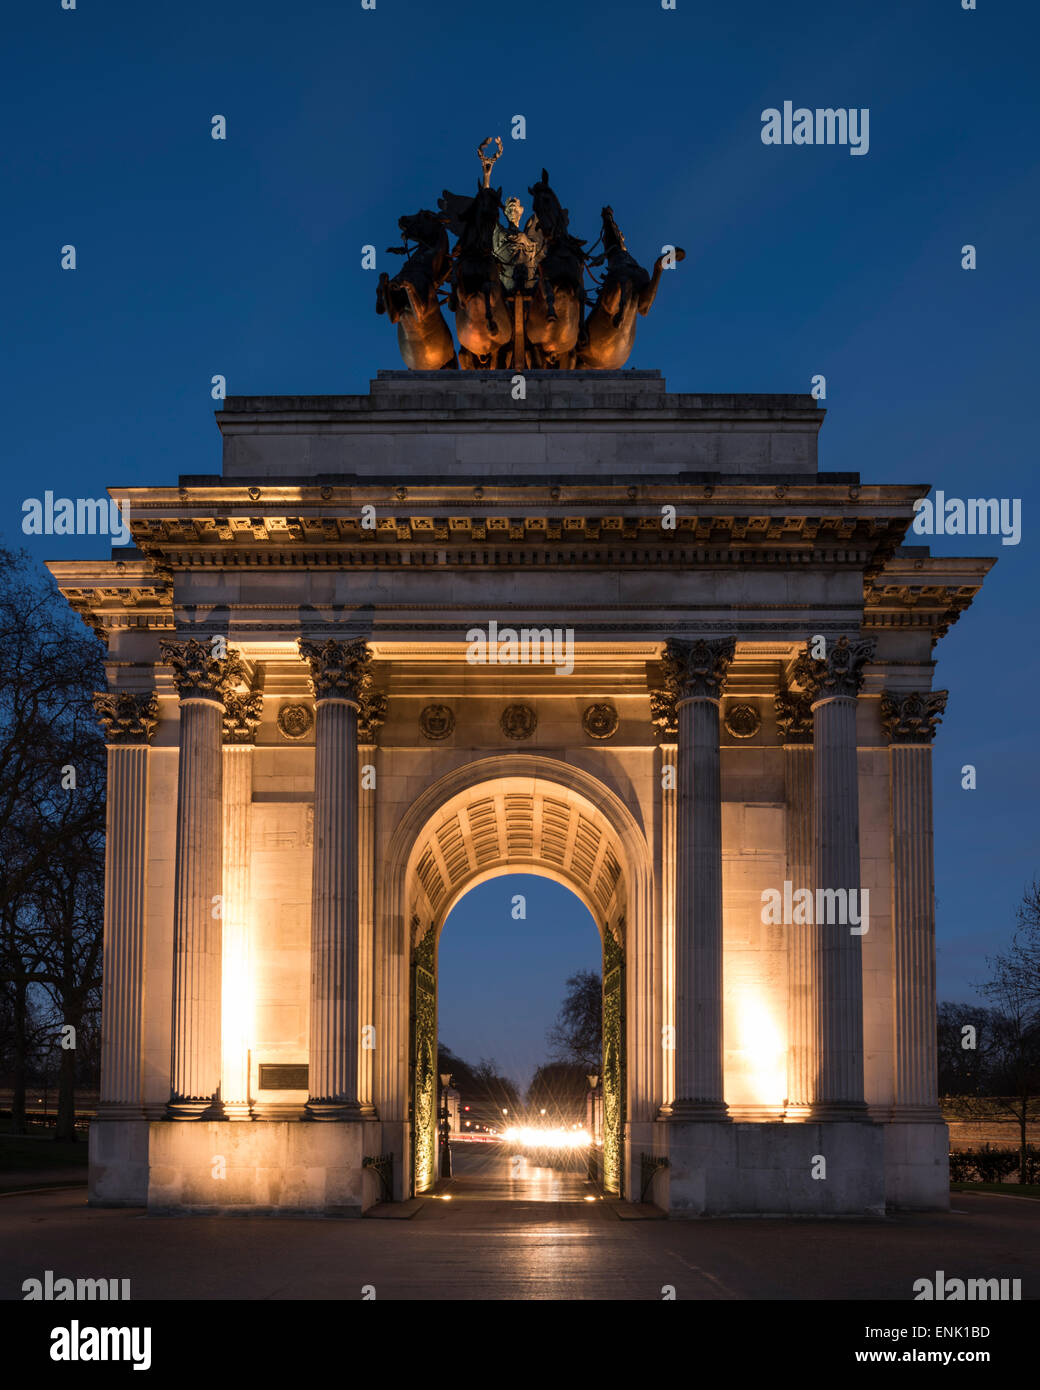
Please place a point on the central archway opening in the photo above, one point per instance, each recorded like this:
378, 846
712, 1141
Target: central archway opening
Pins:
519, 1019
486, 834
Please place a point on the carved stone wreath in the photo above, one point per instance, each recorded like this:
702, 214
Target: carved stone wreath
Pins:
600, 721
295, 721
436, 722
743, 721
518, 721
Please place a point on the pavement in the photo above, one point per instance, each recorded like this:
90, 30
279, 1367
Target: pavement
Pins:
55, 1175
507, 1234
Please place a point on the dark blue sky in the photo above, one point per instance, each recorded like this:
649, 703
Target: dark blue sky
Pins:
501, 981
242, 257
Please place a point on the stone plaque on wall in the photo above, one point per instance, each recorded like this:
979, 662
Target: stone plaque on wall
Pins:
282, 1076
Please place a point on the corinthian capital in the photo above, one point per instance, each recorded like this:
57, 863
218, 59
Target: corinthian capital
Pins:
839, 673
794, 716
912, 718
697, 670
128, 717
663, 715
242, 715
198, 673
339, 670
372, 712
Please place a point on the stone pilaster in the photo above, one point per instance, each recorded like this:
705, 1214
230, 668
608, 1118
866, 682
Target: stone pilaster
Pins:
340, 675
129, 719
242, 714
201, 679
795, 721
695, 673
833, 684
910, 721
371, 714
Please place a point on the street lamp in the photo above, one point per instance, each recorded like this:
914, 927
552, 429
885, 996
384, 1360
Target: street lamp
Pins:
445, 1126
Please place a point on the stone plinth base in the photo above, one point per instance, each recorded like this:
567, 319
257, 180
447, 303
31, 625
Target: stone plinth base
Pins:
261, 1168
118, 1175
917, 1166
721, 1169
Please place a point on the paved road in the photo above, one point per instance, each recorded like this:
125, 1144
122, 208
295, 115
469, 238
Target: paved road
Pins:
496, 1240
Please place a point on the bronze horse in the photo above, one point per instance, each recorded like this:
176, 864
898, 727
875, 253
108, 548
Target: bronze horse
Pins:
410, 298
626, 289
482, 319
557, 307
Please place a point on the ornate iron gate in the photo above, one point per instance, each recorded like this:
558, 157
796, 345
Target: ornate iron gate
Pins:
613, 1065
424, 1062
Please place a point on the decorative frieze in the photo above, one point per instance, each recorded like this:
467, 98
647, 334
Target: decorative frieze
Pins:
742, 721
295, 721
912, 718
600, 721
128, 716
338, 669
697, 670
436, 722
518, 721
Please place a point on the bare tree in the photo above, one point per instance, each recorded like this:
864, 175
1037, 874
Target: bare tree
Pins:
577, 1035
51, 815
966, 1035
1014, 989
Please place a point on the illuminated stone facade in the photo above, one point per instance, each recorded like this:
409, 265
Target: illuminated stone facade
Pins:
308, 769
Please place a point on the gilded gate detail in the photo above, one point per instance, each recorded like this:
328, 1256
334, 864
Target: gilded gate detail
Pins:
613, 1065
424, 1061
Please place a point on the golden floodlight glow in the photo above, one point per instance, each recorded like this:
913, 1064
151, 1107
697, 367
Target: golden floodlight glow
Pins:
762, 1046
236, 1017
536, 1137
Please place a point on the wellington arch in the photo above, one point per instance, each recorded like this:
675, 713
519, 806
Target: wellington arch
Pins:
633, 639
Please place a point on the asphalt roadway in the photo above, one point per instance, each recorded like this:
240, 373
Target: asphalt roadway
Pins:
511, 1231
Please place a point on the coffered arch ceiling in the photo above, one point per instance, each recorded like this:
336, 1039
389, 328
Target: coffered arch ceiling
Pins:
517, 824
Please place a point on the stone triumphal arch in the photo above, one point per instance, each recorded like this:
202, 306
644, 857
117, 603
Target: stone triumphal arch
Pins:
631, 639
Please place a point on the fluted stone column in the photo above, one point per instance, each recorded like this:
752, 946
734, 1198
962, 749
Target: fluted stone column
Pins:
833, 684
201, 679
129, 719
669, 758
340, 673
371, 715
795, 721
695, 673
910, 722
242, 715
